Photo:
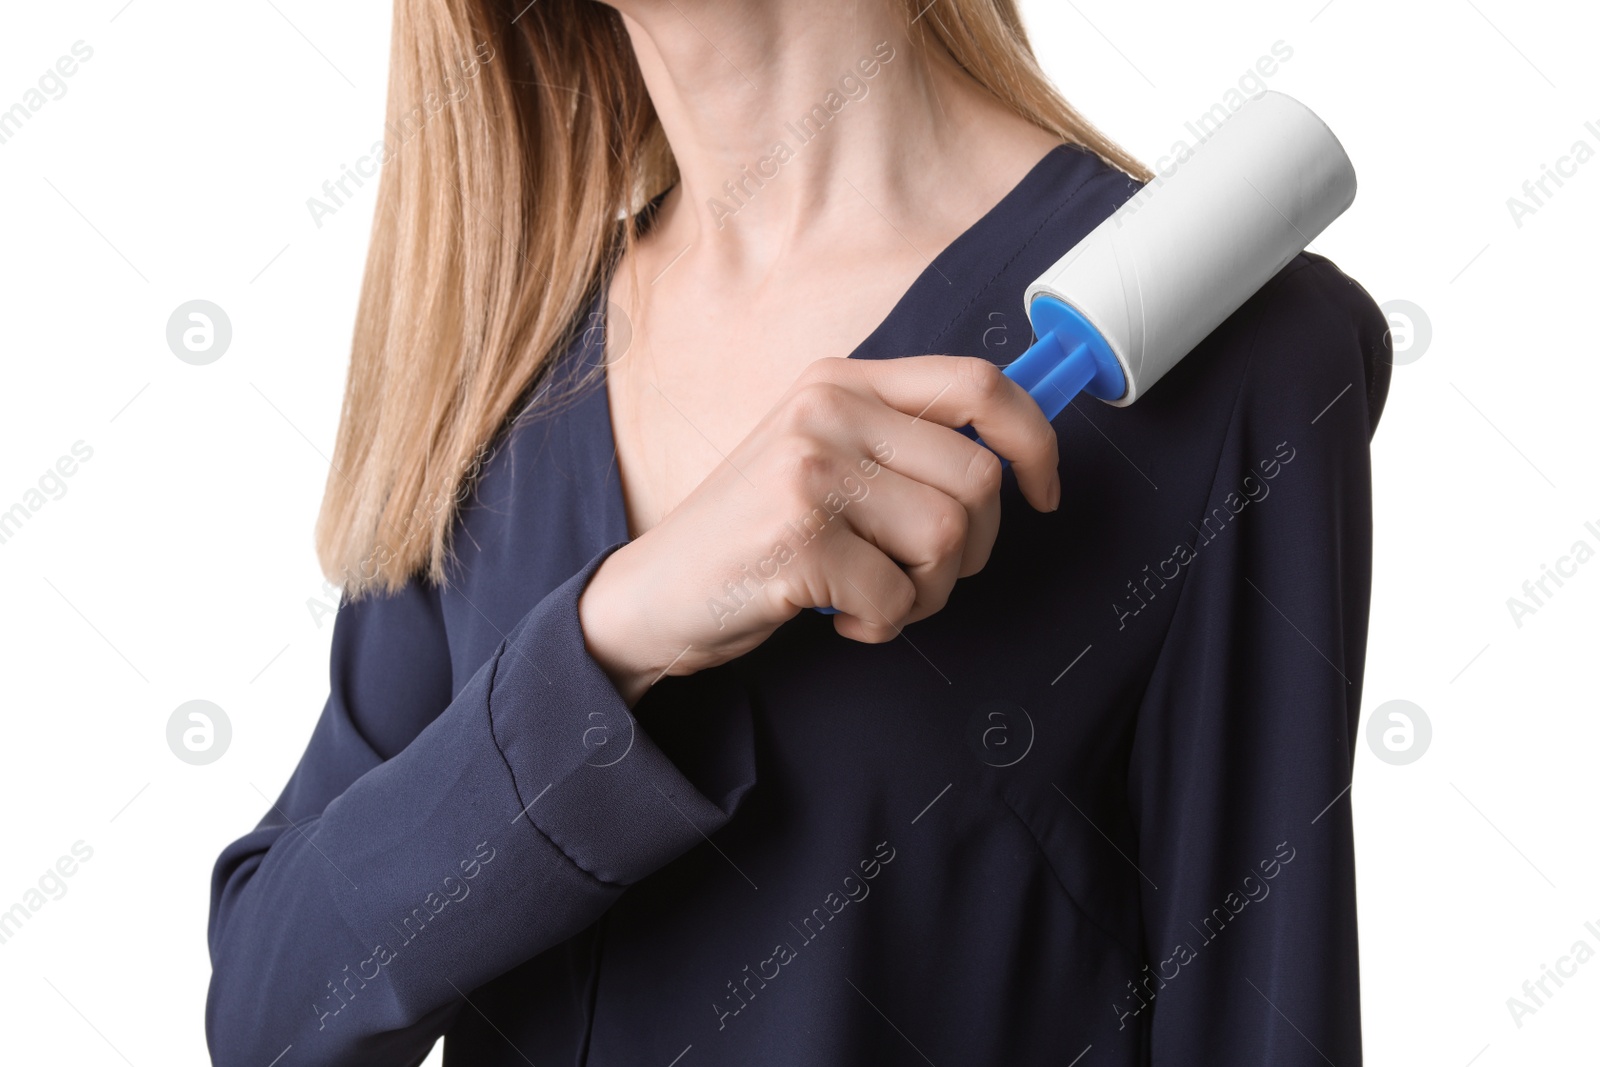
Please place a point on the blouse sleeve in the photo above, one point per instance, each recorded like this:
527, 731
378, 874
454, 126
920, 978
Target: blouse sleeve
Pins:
1245, 738
425, 845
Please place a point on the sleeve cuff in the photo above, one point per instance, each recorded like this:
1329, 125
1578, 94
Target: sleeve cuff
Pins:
594, 782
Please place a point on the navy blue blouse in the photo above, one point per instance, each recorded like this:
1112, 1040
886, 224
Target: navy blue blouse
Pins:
1094, 812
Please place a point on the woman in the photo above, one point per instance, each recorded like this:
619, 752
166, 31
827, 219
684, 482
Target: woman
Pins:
599, 453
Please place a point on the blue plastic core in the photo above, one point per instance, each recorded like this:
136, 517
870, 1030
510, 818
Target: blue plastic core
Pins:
1054, 319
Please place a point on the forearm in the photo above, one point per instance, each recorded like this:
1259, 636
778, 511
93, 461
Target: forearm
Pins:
353, 930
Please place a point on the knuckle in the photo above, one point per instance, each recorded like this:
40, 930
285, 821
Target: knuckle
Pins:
982, 380
827, 369
807, 462
947, 534
984, 473
815, 404
1048, 440
788, 589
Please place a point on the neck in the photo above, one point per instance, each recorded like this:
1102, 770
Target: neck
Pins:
780, 113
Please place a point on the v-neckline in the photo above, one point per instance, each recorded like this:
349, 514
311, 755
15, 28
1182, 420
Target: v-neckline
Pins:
615, 522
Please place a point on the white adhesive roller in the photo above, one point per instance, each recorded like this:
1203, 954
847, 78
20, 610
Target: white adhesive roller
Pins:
1150, 282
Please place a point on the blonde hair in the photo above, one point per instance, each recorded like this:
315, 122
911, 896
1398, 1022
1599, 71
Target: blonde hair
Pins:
519, 149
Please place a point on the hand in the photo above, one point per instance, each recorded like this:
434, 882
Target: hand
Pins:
854, 491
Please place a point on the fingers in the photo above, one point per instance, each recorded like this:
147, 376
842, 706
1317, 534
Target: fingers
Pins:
920, 528
958, 468
875, 544
956, 391
924, 510
872, 595
871, 592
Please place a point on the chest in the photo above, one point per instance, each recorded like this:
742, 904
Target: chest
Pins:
690, 373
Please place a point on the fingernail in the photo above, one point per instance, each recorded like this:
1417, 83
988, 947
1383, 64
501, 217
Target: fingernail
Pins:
1055, 493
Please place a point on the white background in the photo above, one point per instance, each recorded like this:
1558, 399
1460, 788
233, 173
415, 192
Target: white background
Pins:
178, 564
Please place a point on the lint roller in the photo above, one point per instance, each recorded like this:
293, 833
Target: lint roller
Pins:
1147, 285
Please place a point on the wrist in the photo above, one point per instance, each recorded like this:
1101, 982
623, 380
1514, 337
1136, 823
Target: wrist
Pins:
612, 631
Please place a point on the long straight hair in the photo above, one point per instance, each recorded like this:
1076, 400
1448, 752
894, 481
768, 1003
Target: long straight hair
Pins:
520, 144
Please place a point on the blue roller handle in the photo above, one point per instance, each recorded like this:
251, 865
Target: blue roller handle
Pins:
1069, 358
1051, 374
